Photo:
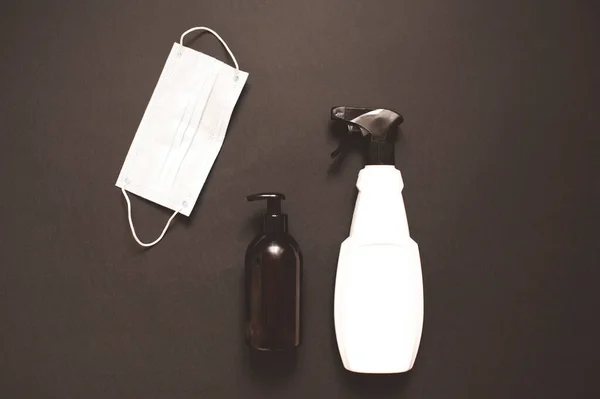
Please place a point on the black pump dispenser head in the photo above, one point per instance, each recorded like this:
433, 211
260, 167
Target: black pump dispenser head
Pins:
274, 220
378, 124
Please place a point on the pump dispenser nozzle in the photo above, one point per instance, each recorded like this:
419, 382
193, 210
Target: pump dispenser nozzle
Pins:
274, 220
378, 123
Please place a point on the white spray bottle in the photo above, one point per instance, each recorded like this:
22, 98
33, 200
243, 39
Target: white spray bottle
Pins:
378, 306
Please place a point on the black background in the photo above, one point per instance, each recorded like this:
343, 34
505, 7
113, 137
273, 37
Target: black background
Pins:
499, 152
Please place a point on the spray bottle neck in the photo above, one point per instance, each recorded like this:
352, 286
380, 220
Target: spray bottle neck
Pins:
381, 152
379, 215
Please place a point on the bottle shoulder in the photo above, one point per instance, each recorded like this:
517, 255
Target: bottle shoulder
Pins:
397, 241
272, 241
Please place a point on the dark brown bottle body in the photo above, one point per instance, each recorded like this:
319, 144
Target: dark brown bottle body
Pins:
273, 289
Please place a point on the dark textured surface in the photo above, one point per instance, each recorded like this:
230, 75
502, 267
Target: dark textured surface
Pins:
500, 155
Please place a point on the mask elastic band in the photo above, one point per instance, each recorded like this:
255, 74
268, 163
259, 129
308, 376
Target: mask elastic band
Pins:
143, 244
217, 36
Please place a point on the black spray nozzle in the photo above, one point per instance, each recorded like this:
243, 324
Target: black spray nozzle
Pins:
378, 124
274, 220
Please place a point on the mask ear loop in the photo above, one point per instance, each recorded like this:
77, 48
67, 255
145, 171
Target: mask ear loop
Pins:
215, 35
143, 244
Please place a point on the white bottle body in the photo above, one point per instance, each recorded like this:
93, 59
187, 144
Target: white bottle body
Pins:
378, 306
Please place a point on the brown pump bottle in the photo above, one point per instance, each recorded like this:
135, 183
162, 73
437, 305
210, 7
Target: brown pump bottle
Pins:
273, 282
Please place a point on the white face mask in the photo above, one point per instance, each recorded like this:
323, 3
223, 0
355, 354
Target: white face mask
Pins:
182, 130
